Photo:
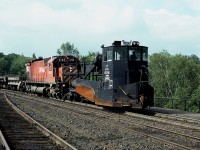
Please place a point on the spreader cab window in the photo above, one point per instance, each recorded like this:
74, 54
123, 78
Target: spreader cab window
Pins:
117, 55
145, 54
120, 54
108, 56
134, 55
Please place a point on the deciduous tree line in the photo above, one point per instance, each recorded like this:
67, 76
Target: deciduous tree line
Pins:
13, 64
176, 76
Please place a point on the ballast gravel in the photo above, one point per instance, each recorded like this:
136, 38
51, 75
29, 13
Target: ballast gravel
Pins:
84, 130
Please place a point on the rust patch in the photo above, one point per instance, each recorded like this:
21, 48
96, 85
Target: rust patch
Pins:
89, 94
86, 92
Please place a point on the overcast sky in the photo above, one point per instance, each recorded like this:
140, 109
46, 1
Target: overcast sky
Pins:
41, 26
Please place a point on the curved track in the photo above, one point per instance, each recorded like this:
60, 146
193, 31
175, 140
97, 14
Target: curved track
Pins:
23, 134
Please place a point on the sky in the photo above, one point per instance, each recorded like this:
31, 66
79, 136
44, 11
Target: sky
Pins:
41, 26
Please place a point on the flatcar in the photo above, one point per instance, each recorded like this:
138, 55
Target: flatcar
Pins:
3, 81
116, 78
11, 82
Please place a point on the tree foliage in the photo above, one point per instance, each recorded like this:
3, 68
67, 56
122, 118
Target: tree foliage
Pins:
13, 64
88, 58
159, 70
174, 76
18, 65
3, 64
68, 49
1, 54
194, 102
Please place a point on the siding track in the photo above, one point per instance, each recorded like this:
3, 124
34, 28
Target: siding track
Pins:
20, 133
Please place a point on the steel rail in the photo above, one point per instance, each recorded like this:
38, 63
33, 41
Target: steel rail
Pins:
44, 130
162, 120
46, 102
178, 118
3, 141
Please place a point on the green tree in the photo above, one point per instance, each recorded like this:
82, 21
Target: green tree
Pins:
13, 64
195, 59
3, 65
184, 75
1, 55
68, 49
194, 101
8, 62
18, 65
88, 58
174, 76
159, 73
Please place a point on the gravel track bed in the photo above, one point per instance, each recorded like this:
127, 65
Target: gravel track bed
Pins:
85, 130
186, 118
125, 121
167, 126
19, 133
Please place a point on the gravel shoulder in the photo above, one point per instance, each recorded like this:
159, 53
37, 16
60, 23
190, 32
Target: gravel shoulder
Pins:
86, 130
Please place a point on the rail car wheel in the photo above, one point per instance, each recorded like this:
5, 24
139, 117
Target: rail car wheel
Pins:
48, 92
72, 96
143, 102
76, 97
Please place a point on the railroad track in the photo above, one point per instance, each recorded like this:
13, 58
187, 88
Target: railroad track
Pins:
183, 118
123, 123
133, 127
22, 132
3, 143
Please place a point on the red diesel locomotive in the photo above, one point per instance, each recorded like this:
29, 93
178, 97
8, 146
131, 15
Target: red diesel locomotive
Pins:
51, 76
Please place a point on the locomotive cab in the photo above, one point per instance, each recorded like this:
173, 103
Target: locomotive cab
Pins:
124, 64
